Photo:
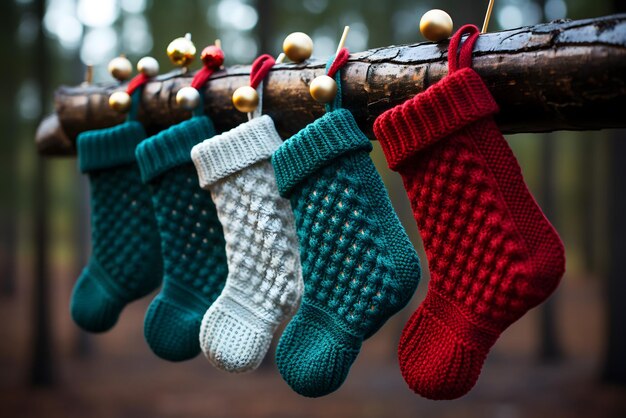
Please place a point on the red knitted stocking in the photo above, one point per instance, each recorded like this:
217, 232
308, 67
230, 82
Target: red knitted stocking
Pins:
492, 253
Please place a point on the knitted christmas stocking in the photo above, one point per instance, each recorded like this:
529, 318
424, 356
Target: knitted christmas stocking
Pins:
126, 259
492, 253
358, 264
264, 283
191, 237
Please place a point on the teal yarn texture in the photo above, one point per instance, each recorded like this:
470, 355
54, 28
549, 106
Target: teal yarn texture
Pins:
192, 240
126, 257
359, 267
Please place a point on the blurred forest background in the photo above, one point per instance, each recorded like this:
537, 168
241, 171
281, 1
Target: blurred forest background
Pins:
565, 359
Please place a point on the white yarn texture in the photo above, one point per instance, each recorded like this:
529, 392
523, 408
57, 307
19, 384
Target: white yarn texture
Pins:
264, 284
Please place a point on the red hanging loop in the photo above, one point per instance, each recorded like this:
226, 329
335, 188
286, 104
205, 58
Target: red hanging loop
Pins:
201, 77
464, 58
260, 68
212, 57
136, 82
340, 60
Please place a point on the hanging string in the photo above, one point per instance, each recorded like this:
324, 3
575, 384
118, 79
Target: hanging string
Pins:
464, 57
135, 98
133, 89
338, 62
211, 61
136, 82
333, 70
258, 71
260, 68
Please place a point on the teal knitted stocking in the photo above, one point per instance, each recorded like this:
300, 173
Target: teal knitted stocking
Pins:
359, 266
126, 259
191, 236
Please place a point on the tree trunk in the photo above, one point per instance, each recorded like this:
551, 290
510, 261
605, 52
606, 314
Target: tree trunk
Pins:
615, 361
561, 75
8, 150
42, 370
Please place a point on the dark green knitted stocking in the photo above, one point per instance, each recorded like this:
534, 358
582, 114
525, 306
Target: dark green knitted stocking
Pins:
358, 265
191, 237
126, 259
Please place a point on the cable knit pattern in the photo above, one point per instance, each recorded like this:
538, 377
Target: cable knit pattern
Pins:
492, 253
359, 266
126, 259
264, 284
195, 266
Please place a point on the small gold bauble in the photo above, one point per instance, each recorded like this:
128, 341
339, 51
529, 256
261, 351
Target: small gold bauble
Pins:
323, 89
120, 68
246, 99
148, 66
119, 101
181, 51
298, 46
436, 25
188, 98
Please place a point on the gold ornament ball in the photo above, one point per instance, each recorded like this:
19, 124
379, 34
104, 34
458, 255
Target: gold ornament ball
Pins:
436, 25
246, 99
119, 101
181, 51
188, 98
120, 68
323, 89
148, 66
298, 46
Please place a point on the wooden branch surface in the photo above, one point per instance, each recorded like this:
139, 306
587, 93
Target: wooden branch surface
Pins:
563, 75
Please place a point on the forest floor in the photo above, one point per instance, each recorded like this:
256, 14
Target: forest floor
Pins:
116, 375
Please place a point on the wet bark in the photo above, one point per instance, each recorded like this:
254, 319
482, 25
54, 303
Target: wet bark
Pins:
563, 75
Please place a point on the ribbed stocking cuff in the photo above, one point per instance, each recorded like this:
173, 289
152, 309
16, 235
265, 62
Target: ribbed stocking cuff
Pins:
172, 147
110, 147
317, 145
446, 107
232, 151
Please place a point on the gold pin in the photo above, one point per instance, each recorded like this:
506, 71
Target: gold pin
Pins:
120, 68
436, 25
298, 47
148, 66
212, 57
181, 51
324, 88
120, 101
246, 99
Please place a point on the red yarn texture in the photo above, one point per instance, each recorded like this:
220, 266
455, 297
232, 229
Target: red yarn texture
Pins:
136, 82
212, 59
260, 68
340, 60
492, 253
201, 77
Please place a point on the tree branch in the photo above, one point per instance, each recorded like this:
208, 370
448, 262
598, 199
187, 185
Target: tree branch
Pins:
564, 75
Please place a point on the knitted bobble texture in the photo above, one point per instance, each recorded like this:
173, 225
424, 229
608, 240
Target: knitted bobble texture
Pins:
125, 263
359, 266
492, 253
264, 284
195, 266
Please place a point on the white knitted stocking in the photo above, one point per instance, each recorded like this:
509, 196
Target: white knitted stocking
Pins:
264, 283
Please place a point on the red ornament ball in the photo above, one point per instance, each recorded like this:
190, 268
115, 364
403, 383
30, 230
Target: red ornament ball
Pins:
212, 56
